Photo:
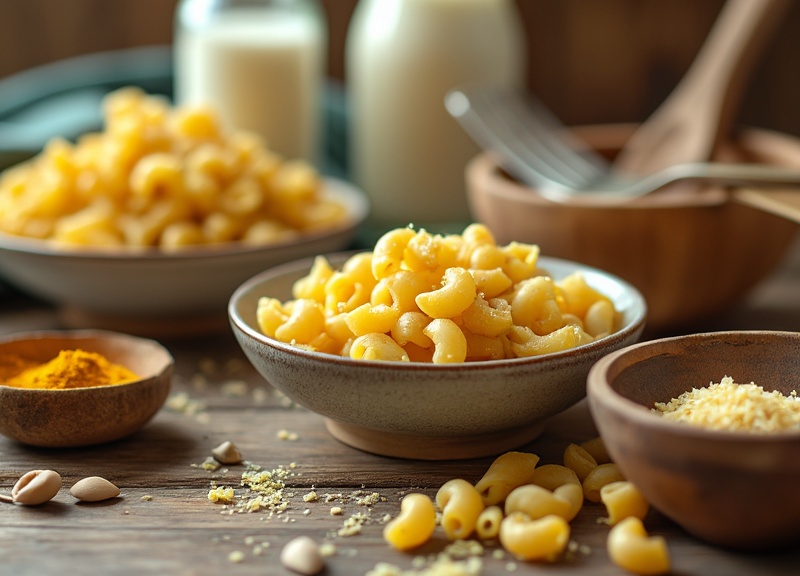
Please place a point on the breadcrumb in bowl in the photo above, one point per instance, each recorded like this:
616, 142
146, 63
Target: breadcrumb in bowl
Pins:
729, 476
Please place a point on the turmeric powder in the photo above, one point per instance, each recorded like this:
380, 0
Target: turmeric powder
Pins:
72, 369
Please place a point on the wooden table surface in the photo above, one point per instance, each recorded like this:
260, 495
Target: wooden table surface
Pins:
164, 523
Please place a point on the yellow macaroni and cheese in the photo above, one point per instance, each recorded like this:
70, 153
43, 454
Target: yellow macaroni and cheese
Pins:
165, 177
425, 297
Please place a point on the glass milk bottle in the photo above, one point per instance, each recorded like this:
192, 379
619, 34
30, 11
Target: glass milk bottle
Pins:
402, 57
259, 63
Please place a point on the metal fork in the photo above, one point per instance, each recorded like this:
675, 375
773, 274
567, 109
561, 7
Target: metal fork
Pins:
533, 146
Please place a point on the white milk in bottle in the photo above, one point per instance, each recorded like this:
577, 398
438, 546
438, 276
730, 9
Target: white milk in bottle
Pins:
402, 57
259, 63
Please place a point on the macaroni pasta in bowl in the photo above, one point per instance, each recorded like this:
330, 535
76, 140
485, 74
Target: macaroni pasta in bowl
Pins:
151, 224
164, 177
439, 298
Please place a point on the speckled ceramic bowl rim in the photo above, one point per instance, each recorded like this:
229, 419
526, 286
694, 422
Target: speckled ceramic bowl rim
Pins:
599, 390
635, 324
165, 366
352, 199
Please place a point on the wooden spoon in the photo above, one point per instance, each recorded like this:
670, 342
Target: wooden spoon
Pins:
700, 111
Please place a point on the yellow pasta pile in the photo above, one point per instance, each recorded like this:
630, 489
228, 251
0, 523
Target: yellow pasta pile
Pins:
438, 298
528, 509
162, 176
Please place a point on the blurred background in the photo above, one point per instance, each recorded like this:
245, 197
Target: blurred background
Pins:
591, 61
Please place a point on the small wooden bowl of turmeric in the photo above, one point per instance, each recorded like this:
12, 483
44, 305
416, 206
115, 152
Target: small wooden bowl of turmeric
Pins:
78, 388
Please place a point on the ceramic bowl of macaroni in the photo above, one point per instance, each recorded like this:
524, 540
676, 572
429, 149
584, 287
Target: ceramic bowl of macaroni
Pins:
666, 243
69, 416
729, 478
156, 292
149, 225
425, 410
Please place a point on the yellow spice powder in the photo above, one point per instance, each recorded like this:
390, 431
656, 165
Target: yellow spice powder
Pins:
735, 407
72, 369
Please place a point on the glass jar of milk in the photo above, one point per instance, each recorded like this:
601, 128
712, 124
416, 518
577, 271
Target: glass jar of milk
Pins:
259, 63
402, 57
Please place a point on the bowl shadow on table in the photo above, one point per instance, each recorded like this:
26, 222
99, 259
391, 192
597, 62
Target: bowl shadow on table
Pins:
134, 448
693, 253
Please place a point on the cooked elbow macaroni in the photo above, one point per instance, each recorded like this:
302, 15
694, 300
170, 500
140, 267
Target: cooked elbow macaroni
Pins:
414, 525
445, 299
541, 539
622, 499
171, 178
631, 548
551, 476
599, 477
579, 460
528, 510
488, 524
537, 502
506, 472
461, 505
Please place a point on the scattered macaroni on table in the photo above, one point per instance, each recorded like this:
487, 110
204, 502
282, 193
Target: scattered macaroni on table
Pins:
166, 177
414, 525
440, 299
631, 548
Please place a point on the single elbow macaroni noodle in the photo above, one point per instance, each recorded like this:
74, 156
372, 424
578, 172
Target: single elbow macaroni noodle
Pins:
461, 505
444, 299
537, 502
527, 509
573, 494
375, 346
162, 177
450, 344
488, 524
579, 460
631, 548
622, 500
599, 477
455, 295
508, 471
414, 525
541, 539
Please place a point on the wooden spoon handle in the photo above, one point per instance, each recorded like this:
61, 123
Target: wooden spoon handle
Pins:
700, 111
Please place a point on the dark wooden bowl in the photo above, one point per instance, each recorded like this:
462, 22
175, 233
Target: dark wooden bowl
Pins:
84, 416
734, 489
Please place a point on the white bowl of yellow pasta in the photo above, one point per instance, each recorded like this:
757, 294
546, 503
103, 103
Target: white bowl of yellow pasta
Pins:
425, 401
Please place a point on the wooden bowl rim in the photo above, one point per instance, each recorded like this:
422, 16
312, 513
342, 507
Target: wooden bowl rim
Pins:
600, 391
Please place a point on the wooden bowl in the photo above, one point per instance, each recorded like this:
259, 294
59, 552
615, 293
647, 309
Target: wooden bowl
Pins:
429, 411
691, 255
84, 416
734, 489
